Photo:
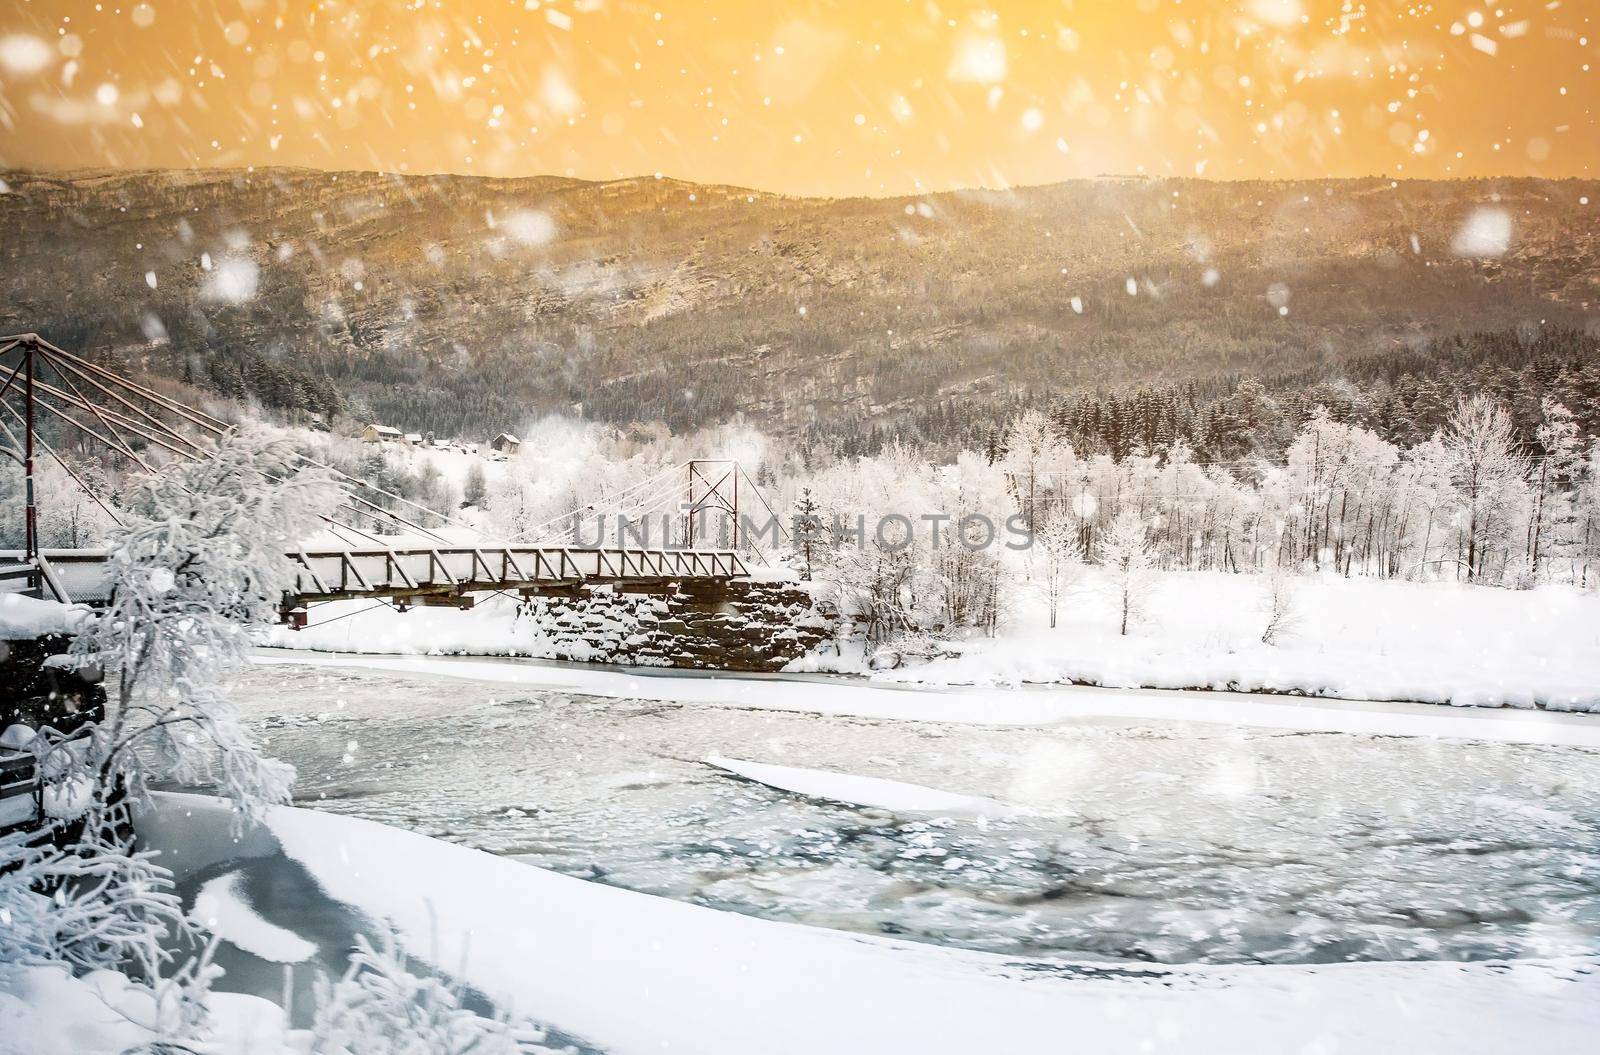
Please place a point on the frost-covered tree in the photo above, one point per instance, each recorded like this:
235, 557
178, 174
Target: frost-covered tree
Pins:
964, 542
97, 905
69, 516
1423, 496
1552, 531
1125, 554
475, 489
201, 557
1487, 472
1340, 472
436, 492
1060, 555
516, 506
1036, 462
875, 566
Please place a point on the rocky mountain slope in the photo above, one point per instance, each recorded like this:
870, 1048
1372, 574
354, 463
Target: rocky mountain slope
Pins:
452, 303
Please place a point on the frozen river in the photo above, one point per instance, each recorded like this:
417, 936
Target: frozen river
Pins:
1152, 841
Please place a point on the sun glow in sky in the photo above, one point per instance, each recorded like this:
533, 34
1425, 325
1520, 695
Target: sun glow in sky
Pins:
864, 97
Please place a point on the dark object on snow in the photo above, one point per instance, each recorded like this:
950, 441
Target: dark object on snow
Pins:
38, 688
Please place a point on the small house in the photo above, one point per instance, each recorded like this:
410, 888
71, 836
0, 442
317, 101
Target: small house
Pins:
375, 433
414, 439
505, 443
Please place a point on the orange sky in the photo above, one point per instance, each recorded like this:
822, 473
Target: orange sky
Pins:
869, 97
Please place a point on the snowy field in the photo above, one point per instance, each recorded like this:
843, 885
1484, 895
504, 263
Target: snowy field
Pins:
1356, 639
1348, 638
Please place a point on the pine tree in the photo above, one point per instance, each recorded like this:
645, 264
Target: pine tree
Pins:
807, 531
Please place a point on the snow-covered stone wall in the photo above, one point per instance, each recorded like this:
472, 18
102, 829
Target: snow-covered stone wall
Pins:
749, 626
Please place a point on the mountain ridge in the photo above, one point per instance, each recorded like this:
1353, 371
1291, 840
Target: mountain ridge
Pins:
440, 301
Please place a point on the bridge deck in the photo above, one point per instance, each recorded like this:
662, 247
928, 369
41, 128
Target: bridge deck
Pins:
431, 572
420, 571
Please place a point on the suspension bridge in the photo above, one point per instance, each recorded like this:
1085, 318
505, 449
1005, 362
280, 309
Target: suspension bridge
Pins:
385, 550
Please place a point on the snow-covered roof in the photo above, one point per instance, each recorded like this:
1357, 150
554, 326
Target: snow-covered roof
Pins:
505, 437
413, 437
384, 430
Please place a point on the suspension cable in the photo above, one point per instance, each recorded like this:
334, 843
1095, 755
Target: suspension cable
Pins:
40, 440
198, 417
154, 421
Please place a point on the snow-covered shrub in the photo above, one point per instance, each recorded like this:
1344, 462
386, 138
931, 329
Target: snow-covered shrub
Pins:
380, 1007
1278, 604
93, 905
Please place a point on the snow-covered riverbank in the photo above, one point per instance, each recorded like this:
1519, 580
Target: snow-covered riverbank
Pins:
632, 973
1353, 639
640, 974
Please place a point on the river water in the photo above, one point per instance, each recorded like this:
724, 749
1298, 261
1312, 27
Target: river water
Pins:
1171, 842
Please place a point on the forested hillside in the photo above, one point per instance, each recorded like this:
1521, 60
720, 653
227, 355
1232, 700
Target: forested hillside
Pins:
464, 305
1404, 396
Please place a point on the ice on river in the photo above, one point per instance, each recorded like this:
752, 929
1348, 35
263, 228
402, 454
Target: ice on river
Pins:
1131, 840
851, 790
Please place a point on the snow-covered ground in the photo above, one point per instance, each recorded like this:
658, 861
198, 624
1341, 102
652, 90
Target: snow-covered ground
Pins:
631, 973
47, 1011
1357, 639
